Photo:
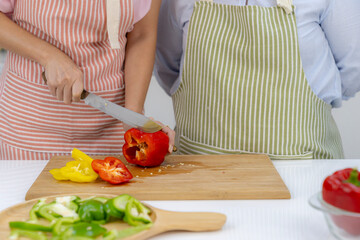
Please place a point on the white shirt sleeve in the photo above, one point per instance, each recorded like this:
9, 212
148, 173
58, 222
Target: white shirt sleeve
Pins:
341, 26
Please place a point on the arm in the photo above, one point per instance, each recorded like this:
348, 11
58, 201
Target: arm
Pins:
169, 49
64, 77
139, 58
341, 25
139, 63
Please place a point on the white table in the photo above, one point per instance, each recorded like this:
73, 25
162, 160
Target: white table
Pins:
246, 219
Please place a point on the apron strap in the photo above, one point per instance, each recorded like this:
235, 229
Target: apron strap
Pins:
285, 4
113, 22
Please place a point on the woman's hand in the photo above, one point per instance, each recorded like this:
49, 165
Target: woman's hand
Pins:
64, 78
171, 134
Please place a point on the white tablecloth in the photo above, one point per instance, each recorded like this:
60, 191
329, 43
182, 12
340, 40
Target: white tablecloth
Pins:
246, 219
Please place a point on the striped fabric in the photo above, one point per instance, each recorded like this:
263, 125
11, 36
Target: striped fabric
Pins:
244, 89
12, 153
32, 122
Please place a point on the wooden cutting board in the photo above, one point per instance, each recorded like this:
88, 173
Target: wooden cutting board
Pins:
180, 177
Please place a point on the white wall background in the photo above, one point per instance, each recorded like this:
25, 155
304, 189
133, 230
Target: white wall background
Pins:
159, 106
348, 119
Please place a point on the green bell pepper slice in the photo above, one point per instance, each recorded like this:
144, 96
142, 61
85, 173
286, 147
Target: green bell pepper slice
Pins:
54, 210
83, 229
136, 213
59, 224
101, 199
33, 235
120, 202
119, 234
46, 212
143, 213
71, 202
72, 238
30, 226
34, 210
92, 210
112, 210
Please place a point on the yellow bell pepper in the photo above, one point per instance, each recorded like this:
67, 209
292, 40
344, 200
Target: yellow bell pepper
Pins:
57, 174
80, 156
79, 170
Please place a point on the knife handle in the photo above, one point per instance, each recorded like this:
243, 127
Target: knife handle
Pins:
84, 93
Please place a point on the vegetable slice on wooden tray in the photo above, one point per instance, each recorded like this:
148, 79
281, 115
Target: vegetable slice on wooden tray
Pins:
74, 218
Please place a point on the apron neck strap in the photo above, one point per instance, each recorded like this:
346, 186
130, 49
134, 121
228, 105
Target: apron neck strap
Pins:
113, 22
284, 4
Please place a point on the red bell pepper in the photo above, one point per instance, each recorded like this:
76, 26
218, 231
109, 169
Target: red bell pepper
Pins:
112, 170
342, 190
145, 149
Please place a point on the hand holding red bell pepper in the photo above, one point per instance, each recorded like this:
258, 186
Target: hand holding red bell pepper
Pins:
342, 190
112, 170
145, 149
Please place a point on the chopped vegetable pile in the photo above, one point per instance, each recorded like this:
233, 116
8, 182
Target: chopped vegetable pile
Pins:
72, 218
86, 169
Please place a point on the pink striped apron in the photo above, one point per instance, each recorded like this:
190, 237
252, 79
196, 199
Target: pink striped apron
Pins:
35, 125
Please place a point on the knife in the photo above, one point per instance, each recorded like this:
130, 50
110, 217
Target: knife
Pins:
125, 115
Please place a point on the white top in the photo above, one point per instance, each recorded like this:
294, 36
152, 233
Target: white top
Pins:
246, 219
329, 42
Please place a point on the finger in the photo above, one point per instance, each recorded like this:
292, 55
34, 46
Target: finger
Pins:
158, 122
67, 94
52, 91
77, 89
171, 135
60, 93
50, 86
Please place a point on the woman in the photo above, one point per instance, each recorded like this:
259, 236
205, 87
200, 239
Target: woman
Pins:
103, 46
259, 76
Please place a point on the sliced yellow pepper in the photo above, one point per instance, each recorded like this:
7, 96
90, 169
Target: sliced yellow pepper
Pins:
79, 170
80, 156
57, 174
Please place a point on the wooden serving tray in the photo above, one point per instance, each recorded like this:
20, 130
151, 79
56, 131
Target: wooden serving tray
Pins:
180, 177
163, 221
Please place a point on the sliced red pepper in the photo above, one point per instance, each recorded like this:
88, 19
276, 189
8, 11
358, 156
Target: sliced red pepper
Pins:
112, 170
342, 190
145, 149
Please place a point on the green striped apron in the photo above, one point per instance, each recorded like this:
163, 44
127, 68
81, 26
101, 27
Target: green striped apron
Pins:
244, 90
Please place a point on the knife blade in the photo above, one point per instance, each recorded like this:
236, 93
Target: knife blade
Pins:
125, 115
